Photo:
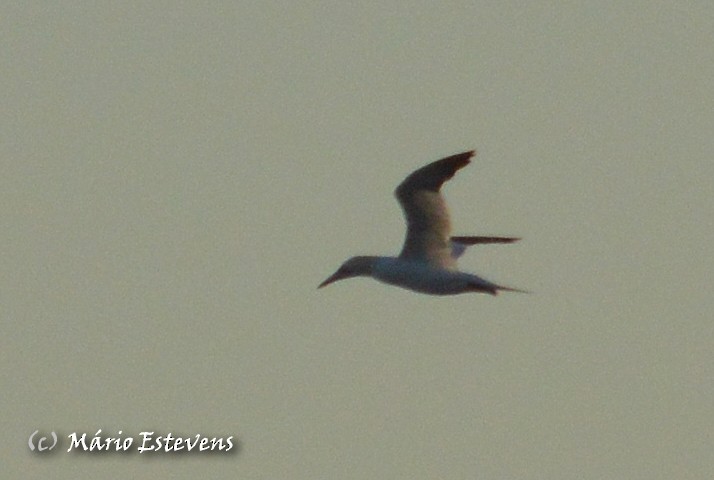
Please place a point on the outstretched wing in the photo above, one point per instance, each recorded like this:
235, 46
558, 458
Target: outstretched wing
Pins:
459, 244
427, 216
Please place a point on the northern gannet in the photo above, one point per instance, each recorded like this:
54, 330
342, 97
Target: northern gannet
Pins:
427, 262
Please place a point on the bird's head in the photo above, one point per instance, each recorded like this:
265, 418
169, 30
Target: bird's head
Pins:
354, 267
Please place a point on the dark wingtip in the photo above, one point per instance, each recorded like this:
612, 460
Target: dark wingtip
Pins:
476, 240
432, 176
460, 159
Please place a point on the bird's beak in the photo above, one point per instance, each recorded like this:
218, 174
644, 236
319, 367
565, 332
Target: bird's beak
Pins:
338, 275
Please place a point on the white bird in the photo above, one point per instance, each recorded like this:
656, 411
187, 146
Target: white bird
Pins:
427, 262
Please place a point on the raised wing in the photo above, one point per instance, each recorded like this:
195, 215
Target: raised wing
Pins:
428, 225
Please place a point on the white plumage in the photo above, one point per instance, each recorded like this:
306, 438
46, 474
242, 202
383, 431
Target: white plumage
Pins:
427, 262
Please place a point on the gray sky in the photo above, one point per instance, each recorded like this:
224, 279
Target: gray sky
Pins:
179, 177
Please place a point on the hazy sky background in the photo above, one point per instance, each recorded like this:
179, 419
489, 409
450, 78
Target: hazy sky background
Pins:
177, 178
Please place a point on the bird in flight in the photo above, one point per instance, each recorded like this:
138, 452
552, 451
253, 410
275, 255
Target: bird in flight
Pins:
427, 262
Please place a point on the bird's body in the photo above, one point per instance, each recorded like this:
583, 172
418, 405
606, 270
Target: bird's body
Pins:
427, 262
422, 277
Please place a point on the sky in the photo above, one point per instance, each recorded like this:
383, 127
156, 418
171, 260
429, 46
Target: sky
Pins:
178, 177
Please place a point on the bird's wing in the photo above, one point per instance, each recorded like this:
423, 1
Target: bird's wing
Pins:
459, 244
428, 225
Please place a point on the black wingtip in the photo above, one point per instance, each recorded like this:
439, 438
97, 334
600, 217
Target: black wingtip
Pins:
432, 176
477, 240
448, 166
459, 160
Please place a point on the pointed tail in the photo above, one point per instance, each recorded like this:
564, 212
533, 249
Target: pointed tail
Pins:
509, 289
480, 285
494, 290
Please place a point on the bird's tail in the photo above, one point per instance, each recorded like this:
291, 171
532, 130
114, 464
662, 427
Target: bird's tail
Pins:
484, 286
509, 289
